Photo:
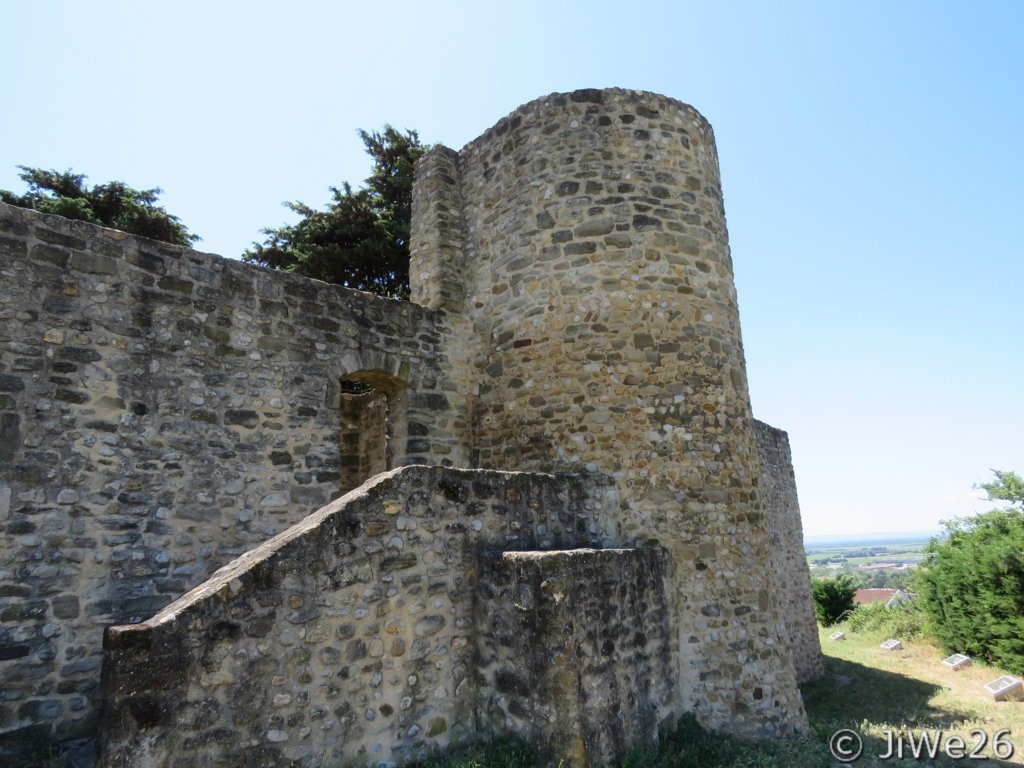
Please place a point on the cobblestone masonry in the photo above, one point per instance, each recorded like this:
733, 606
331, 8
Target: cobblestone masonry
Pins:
163, 410
590, 233
789, 561
350, 638
574, 649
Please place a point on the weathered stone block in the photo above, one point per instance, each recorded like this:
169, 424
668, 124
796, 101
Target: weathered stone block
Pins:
33, 610
176, 284
247, 419
10, 440
15, 249
94, 263
59, 237
150, 262
65, 606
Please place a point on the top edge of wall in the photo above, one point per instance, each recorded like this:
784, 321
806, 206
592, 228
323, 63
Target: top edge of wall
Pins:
76, 234
584, 96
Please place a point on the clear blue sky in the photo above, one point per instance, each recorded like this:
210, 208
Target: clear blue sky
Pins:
871, 156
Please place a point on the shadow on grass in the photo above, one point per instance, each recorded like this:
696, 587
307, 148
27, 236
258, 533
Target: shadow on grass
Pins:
858, 697
850, 693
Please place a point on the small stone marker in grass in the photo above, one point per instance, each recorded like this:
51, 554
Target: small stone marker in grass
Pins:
957, 661
1005, 687
892, 645
837, 636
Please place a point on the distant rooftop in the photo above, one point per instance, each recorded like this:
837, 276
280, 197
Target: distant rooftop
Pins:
869, 596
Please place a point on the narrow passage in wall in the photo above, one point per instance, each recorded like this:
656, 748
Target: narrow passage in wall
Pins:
370, 411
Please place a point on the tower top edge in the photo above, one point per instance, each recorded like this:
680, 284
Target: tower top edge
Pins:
583, 98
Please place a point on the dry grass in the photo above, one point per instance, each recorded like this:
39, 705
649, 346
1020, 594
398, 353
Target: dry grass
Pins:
873, 691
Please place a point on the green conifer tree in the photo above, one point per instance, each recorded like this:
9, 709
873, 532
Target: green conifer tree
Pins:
113, 204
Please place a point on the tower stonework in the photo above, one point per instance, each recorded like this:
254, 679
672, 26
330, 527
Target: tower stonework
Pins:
602, 309
789, 562
574, 532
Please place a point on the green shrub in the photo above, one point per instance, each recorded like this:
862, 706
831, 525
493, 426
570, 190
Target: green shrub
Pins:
907, 621
867, 618
833, 598
904, 620
971, 587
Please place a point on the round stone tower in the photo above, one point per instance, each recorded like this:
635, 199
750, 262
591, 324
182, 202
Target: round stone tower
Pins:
582, 244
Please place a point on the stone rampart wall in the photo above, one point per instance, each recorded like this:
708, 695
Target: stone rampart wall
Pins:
162, 411
789, 561
350, 637
602, 316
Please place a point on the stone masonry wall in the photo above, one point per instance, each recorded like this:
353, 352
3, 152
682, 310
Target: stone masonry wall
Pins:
348, 638
574, 650
605, 335
161, 412
789, 561
439, 275
437, 266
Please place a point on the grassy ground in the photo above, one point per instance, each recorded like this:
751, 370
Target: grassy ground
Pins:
874, 691
865, 689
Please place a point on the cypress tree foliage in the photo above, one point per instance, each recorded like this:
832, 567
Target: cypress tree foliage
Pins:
833, 599
113, 204
362, 240
971, 583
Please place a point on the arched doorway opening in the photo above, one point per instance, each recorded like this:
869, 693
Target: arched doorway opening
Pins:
372, 426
